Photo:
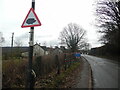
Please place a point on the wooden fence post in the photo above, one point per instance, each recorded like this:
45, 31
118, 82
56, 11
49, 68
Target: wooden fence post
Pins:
58, 64
38, 65
65, 62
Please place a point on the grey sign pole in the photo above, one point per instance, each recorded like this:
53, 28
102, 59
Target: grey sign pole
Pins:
31, 43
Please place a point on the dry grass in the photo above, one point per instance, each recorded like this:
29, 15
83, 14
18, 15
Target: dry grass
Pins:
45, 64
14, 71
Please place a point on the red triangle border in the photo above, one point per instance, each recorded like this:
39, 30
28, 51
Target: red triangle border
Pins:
35, 17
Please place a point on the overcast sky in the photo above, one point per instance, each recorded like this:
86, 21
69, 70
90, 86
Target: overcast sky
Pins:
54, 16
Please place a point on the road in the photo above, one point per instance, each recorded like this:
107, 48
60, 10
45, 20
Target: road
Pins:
105, 72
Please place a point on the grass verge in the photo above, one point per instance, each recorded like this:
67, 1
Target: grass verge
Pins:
61, 79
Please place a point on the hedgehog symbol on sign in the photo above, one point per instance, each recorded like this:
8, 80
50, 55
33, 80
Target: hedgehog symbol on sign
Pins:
31, 19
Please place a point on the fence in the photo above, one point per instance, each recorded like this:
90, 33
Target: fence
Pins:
45, 64
14, 72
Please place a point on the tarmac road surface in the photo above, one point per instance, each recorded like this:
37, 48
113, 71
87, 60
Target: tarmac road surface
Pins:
105, 72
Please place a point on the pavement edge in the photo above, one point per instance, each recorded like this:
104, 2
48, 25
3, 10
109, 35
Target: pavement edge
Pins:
90, 75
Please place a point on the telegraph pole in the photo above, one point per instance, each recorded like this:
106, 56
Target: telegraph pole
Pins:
31, 43
12, 45
12, 39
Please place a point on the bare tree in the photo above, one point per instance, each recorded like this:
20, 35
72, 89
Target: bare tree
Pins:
2, 39
44, 43
73, 36
108, 16
18, 42
85, 46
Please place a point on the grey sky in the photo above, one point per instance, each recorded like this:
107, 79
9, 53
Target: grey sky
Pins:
54, 16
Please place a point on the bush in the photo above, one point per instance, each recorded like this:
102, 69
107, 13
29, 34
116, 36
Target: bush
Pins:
45, 64
13, 73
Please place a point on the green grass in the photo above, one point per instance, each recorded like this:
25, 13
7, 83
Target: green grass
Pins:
61, 79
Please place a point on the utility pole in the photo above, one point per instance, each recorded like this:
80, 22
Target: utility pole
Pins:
12, 45
31, 43
12, 39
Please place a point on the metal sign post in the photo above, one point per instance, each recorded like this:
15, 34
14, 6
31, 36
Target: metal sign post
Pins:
31, 21
31, 43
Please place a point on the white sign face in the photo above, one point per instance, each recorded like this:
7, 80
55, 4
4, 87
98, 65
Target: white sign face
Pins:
31, 19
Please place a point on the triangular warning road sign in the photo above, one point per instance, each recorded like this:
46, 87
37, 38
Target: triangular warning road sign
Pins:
31, 19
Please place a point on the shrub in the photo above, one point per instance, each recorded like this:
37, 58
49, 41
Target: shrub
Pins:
45, 64
13, 73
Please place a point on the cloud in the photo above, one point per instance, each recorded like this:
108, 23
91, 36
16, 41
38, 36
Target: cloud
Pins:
23, 36
53, 14
44, 36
